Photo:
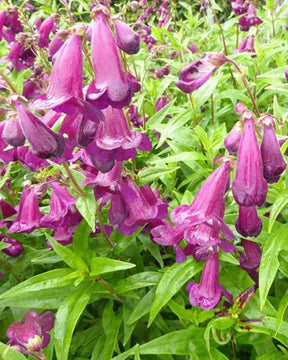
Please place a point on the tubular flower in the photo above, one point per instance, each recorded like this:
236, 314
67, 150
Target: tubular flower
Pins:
44, 31
272, 158
126, 39
239, 7
249, 186
15, 248
248, 222
44, 142
202, 221
250, 19
247, 45
207, 294
12, 133
111, 85
199, 71
232, 140
31, 334
29, 215
251, 260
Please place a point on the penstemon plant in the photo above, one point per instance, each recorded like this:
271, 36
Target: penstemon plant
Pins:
143, 190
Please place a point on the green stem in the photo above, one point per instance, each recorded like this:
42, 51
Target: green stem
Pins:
103, 231
192, 101
77, 188
212, 108
8, 82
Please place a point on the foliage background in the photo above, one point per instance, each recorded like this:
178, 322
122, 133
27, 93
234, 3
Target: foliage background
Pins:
134, 303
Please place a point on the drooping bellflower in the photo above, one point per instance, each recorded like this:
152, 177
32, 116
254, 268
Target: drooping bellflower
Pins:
126, 39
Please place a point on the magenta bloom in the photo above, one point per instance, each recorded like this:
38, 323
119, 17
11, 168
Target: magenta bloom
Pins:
44, 31
164, 71
286, 74
15, 248
249, 186
248, 223
55, 44
232, 140
161, 103
193, 48
247, 45
31, 334
61, 203
272, 158
12, 133
66, 79
44, 142
21, 53
250, 19
126, 39
134, 206
207, 294
239, 7
251, 260
207, 209
29, 216
111, 85
7, 211
199, 71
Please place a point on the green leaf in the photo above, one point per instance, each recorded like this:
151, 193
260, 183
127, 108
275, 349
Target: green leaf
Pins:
106, 265
205, 91
8, 353
137, 281
142, 308
67, 255
172, 281
81, 241
159, 116
87, 207
269, 261
66, 319
182, 342
278, 205
111, 324
281, 310
48, 280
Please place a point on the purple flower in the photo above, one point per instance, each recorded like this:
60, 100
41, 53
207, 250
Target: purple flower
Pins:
44, 142
7, 211
44, 31
251, 260
247, 45
207, 294
272, 158
12, 133
207, 209
133, 206
86, 132
193, 48
111, 85
239, 7
21, 53
250, 19
15, 248
286, 74
55, 44
199, 71
248, 222
29, 216
31, 334
161, 103
164, 71
232, 140
61, 203
126, 39
249, 186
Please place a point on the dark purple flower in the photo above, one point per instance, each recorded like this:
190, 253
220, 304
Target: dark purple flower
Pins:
286, 74
44, 142
126, 39
247, 45
133, 116
272, 158
31, 334
61, 203
250, 19
7, 211
232, 140
44, 31
111, 85
15, 248
21, 54
86, 132
55, 44
193, 48
248, 223
207, 294
202, 221
249, 186
12, 133
29, 216
161, 103
251, 260
239, 7
164, 71
199, 71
